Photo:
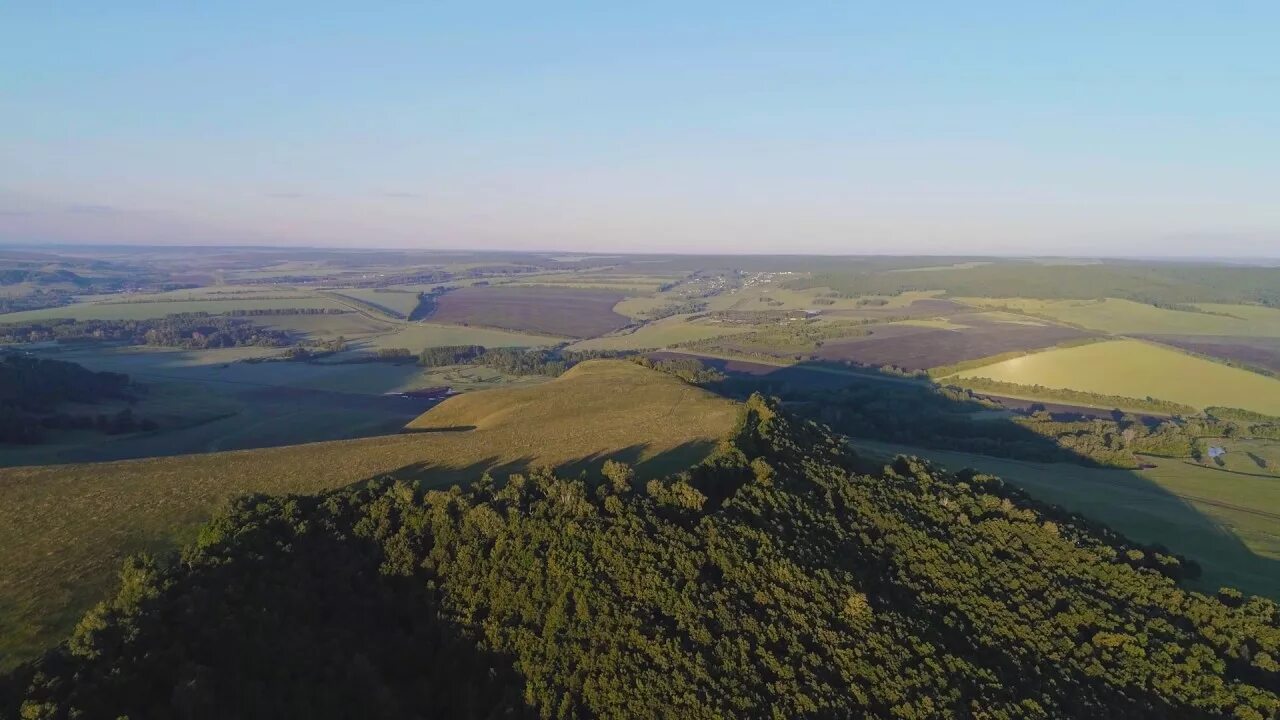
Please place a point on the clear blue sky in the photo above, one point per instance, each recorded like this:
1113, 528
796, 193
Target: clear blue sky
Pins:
1011, 127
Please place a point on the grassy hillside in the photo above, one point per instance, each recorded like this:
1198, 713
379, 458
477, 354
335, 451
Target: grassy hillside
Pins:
65, 528
1137, 369
779, 579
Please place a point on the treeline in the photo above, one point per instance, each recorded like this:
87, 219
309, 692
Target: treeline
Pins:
779, 578
553, 362
691, 370
31, 389
185, 330
513, 361
1068, 396
685, 307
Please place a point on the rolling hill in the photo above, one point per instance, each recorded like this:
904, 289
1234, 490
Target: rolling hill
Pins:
65, 528
781, 578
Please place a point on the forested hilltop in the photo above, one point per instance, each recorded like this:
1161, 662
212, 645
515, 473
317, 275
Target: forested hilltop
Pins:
779, 578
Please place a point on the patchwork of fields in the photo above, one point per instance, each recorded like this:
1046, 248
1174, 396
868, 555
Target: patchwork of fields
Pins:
1111, 315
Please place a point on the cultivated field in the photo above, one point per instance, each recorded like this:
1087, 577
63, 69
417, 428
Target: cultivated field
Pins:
1127, 317
920, 345
549, 311
1228, 522
1136, 369
1256, 352
65, 529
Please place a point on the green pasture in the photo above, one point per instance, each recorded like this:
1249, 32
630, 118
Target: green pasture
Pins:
1243, 455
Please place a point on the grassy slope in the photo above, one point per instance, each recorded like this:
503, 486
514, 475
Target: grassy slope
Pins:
64, 529
1137, 369
1228, 522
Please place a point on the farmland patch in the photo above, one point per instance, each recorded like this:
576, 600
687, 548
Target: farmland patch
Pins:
916, 347
1255, 352
1132, 368
1112, 315
550, 311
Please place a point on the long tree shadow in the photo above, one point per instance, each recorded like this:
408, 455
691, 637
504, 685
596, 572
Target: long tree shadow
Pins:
885, 414
646, 463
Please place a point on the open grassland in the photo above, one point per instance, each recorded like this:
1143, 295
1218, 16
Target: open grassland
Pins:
197, 417
1244, 455
221, 368
658, 334
1137, 369
148, 310
1127, 317
399, 302
551, 311
64, 529
1228, 522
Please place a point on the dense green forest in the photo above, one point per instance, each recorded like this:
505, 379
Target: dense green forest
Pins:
31, 389
185, 330
782, 577
1158, 283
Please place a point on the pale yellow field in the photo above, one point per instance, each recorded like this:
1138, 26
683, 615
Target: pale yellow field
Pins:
1136, 369
1127, 317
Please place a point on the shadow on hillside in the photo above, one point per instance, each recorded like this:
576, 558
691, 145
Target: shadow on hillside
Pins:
904, 415
647, 466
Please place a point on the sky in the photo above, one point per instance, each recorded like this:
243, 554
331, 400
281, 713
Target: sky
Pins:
1071, 128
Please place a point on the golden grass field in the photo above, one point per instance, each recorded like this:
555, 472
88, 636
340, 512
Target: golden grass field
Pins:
64, 529
1137, 369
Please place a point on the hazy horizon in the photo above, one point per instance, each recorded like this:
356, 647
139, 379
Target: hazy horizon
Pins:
999, 129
